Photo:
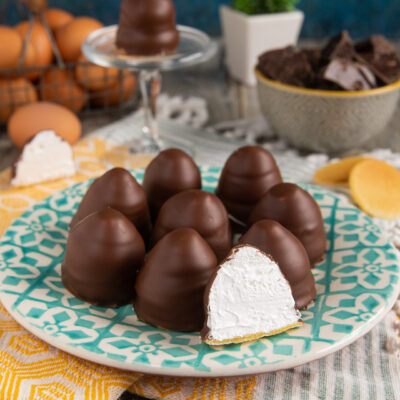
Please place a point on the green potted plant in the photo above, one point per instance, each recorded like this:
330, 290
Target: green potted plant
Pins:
251, 27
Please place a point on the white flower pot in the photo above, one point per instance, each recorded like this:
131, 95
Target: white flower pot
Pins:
248, 36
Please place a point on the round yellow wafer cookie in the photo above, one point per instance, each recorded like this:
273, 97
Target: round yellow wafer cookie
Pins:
337, 173
375, 187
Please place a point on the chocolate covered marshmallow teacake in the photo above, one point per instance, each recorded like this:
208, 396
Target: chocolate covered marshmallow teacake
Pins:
103, 254
291, 256
247, 298
171, 172
201, 211
118, 189
147, 27
247, 175
170, 286
297, 211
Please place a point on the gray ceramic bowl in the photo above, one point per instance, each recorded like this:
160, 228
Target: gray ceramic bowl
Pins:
323, 120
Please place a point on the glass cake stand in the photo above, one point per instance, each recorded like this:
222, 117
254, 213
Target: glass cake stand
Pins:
194, 47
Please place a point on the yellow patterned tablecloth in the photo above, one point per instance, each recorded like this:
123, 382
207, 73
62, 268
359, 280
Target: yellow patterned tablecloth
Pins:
32, 369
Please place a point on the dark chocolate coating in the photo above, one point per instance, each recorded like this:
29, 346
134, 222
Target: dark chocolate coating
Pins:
201, 211
147, 27
170, 286
298, 212
247, 175
171, 172
103, 254
273, 239
118, 189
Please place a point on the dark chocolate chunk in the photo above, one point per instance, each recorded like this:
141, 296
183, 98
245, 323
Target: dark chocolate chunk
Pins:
291, 256
147, 27
171, 172
118, 189
346, 74
170, 286
201, 211
103, 255
247, 175
339, 46
377, 45
380, 57
314, 58
297, 211
286, 65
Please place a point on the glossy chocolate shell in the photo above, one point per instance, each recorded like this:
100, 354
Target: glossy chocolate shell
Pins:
273, 239
247, 175
103, 254
117, 189
297, 211
170, 286
171, 172
147, 27
201, 211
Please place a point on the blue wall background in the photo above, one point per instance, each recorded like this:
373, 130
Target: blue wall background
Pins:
323, 17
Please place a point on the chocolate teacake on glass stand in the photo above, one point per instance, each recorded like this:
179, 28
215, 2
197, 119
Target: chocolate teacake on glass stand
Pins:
147, 27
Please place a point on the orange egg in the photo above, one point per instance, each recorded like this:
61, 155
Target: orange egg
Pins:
14, 93
115, 94
40, 41
28, 120
57, 18
94, 77
58, 85
10, 47
70, 37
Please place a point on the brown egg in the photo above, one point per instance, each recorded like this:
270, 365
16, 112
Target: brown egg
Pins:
122, 91
30, 119
14, 93
10, 47
40, 41
70, 37
57, 18
94, 77
58, 85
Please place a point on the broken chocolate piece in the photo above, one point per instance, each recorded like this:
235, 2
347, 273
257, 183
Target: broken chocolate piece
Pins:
346, 74
380, 56
340, 46
286, 65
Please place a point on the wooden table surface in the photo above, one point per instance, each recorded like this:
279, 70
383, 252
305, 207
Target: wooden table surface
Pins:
227, 100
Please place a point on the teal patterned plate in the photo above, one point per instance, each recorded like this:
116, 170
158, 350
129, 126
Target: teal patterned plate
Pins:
357, 285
